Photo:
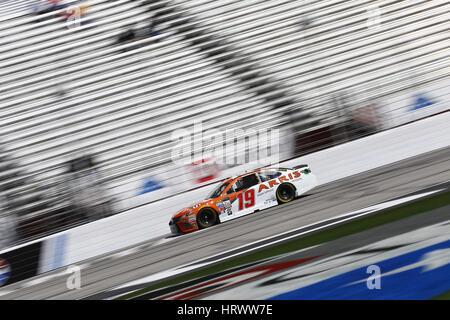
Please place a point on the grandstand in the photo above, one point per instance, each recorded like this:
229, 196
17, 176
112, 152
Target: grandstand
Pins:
69, 90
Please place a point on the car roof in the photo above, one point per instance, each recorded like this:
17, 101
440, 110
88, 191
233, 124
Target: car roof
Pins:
248, 173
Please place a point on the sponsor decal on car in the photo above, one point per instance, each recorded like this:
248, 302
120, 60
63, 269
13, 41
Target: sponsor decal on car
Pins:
227, 205
272, 183
192, 219
224, 206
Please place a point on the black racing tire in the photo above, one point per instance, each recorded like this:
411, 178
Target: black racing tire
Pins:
207, 218
285, 193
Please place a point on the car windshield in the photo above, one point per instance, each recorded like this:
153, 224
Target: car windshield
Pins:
218, 190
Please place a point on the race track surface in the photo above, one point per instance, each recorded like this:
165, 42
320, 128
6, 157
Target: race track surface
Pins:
324, 202
339, 253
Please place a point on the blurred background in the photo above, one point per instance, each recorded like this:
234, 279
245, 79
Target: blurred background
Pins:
91, 91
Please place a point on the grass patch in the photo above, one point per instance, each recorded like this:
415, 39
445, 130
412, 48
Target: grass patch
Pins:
444, 296
362, 224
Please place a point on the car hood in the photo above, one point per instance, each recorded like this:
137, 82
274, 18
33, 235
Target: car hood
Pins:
193, 207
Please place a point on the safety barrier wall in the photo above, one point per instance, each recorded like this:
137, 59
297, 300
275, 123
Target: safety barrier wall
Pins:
151, 221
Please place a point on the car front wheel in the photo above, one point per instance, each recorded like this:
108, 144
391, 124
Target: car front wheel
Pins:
206, 218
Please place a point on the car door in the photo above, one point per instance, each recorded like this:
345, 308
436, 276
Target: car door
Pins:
245, 199
266, 193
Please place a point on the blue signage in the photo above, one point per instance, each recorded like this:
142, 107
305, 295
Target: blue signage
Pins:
417, 275
421, 101
150, 185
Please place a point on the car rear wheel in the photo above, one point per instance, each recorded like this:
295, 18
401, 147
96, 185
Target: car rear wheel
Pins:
206, 218
285, 193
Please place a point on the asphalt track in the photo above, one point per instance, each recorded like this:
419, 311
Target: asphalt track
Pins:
354, 242
327, 201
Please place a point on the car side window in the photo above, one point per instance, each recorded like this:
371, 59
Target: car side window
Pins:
269, 175
246, 182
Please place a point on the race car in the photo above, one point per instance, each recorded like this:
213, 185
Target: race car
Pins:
244, 194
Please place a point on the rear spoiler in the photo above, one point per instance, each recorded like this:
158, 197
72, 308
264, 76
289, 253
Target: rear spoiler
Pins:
300, 166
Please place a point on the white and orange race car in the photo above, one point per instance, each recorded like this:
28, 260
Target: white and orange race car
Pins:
244, 194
